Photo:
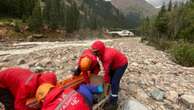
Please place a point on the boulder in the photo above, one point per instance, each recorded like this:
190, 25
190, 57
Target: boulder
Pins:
24, 66
46, 62
21, 61
30, 38
38, 35
38, 69
171, 95
134, 64
74, 58
134, 105
188, 101
5, 59
158, 94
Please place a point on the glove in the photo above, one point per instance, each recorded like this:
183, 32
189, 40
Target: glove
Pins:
100, 89
76, 71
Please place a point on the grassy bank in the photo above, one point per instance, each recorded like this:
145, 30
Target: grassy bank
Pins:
181, 52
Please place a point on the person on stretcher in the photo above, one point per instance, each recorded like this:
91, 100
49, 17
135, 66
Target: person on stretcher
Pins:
52, 97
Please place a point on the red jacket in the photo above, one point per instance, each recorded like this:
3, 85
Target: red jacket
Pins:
23, 84
95, 67
111, 58
60, 99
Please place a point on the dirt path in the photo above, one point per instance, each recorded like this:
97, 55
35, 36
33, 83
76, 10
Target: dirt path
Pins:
149, 72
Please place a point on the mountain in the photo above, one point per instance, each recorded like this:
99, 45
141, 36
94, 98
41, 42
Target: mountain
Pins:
101, 13
138, 6
92, 14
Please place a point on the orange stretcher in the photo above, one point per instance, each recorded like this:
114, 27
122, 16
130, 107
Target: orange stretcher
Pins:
69, 82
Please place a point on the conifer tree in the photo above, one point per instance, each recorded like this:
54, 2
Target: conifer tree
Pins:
36, 19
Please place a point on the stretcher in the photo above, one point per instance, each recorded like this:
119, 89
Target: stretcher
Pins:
71, 81
74, 82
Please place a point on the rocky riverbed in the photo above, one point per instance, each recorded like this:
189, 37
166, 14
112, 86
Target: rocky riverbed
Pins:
152, 81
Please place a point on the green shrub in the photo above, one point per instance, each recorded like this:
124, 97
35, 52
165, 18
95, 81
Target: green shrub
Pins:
143, 39
162, 44
183, 54
17, 26
165, 45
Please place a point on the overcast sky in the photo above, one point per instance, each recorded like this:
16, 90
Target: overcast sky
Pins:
158, 3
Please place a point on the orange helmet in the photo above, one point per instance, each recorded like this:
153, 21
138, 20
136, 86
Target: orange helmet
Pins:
42, 91
85, 63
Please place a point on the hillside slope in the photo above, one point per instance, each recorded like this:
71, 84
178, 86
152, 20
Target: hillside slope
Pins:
101, 13
139, 6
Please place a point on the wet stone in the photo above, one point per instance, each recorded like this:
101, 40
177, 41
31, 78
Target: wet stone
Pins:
158, 94
21, 61
134, 105
188, 101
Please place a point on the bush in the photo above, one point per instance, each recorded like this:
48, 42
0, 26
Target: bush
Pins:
183, 54
17, 27
161, 44
165, 45
143, 39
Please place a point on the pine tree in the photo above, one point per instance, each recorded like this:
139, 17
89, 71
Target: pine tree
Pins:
36, 19
170, 5
52, 13
161, 22
93, 22
72, 18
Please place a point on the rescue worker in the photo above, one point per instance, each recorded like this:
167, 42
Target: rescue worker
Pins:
115, 64
57, 98
17, 85
87, 64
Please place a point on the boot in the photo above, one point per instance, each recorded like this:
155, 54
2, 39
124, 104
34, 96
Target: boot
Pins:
111, 104
110, 107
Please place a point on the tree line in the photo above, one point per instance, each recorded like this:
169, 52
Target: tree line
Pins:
54, 13
69, 15
174, 22
16, 8
172, 30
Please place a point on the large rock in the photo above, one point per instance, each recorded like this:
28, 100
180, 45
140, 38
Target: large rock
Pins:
132, 88
158, 94
5, 59
30, 38
188, 101
171, 95
24, 66
37, 69
134, 105
46, 62
34, 36
38, 35
21, 61
134, 64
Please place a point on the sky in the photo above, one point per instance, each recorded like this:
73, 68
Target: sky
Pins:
159, 3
